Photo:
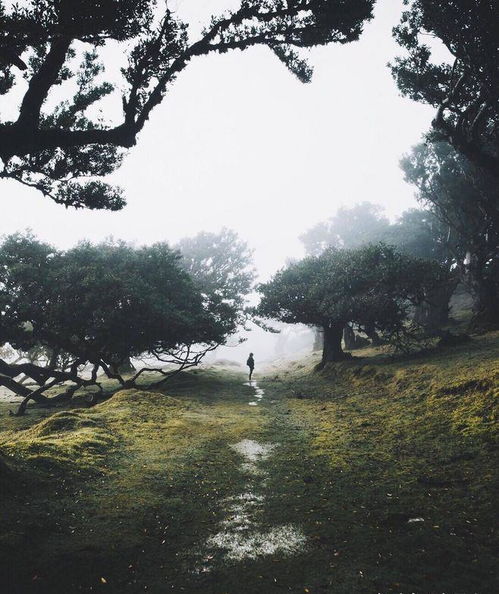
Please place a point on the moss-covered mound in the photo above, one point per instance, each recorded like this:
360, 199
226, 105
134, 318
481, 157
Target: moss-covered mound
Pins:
138, 399
80, 440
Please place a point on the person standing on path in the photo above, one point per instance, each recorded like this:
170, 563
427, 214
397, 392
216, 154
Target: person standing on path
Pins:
251, 364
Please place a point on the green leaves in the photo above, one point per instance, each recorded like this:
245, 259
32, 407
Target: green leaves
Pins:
102, 303
221, 266
45, 147
466, 89
372, 285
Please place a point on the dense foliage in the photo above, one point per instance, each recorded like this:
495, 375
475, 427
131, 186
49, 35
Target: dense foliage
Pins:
220, 265
370, 287
60, 138
419, 233
464, 90
93, 307
467, 201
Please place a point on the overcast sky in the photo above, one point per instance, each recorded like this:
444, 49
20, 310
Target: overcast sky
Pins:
240, 142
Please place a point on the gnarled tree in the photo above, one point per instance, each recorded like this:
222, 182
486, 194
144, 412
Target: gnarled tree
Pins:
92, 308
418, 233
465, 90
467, 201
372, 286
57, 47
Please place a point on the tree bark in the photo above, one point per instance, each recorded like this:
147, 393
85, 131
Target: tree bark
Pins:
434, 312
332, 351
37, 396
486, 303
349, 338
370, 331
318, 340
484, 288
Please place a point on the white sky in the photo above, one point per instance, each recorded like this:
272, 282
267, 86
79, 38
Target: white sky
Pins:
240, 142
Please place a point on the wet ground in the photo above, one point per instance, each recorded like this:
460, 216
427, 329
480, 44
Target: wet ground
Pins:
241, 535
262, 541
226, 493
225, 517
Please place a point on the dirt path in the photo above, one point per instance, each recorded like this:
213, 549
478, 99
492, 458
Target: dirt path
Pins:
212, 500
246, 534
267, 534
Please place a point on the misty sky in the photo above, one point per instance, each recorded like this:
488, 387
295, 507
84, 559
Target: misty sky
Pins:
240, 142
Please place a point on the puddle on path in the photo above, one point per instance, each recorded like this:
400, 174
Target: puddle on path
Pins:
238, 545
259, 392
252, 450
241, 535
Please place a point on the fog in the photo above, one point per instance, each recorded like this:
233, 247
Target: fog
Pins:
241, 143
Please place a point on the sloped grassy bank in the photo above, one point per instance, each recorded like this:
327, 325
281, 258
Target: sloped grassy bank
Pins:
387, 467
411, 483
107, 498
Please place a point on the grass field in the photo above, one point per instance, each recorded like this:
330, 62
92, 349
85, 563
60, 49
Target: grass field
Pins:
387, 466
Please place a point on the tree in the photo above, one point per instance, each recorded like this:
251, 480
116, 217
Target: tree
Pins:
467, 202
465, 92
369, 286
221, 266
58, 48
351, 227
95, 306
418, 233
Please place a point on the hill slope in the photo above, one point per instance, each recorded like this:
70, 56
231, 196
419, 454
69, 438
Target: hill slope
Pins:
375, 475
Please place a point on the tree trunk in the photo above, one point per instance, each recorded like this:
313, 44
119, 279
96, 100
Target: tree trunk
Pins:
37, 396
318, 340
21, 390
434, 312
370, 331
485, 304
332, 351
349, 338
485, 291
125, 367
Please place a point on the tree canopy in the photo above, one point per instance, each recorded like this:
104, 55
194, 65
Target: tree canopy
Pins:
348, 228
370, 287
418, 232
464, 91
220, 265
60, 144
93, 307
467, 202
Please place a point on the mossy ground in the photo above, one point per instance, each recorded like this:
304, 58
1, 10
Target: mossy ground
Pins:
122, 496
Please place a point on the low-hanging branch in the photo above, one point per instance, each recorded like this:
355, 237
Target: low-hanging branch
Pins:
79, 315
46, 378
51, 37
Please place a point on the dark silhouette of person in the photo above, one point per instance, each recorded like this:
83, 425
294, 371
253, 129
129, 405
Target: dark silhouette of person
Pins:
251, 364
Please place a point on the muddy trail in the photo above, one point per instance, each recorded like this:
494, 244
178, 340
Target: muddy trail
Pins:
261, 541
235, 514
